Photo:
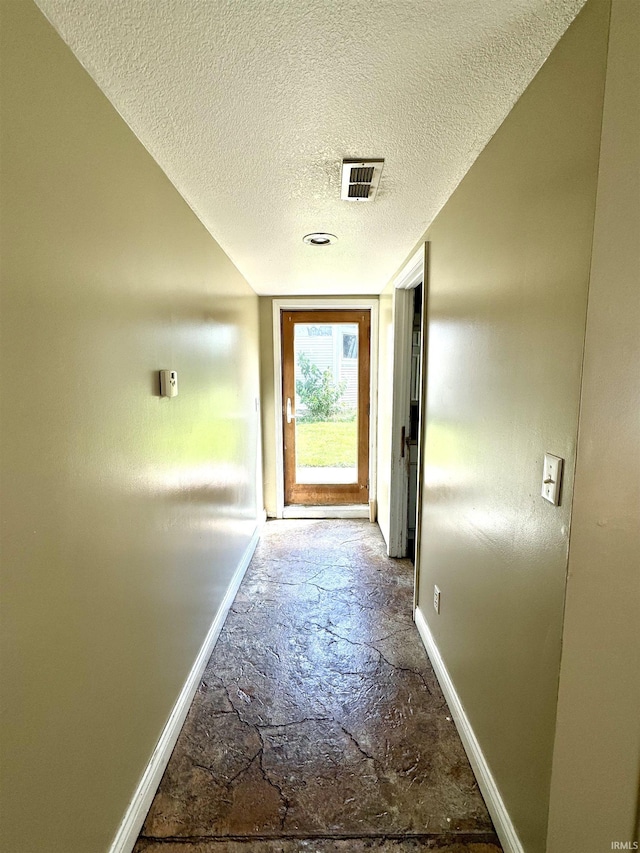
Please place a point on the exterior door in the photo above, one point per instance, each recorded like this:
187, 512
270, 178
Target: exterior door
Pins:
325, 411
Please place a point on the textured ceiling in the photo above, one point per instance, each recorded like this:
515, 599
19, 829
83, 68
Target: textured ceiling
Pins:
249, 106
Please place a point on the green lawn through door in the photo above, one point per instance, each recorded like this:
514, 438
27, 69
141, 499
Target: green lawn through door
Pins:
326, 444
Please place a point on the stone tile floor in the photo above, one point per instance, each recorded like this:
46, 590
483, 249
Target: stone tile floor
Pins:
319, 725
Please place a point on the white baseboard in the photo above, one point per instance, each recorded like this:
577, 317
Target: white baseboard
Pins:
487, 784
135, 814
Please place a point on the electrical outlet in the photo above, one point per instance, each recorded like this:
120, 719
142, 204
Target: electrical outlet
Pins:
436, 599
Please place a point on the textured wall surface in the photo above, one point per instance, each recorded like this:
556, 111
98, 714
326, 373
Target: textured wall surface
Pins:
598, 732
124, 515
509, 273
250, 107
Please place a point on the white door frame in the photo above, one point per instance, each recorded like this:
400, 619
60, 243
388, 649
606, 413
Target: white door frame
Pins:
311, 304
410, 277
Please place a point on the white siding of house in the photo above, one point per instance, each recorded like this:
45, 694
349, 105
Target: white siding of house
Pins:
326, 352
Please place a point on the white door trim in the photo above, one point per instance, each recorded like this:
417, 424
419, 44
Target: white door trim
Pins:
311, 304
399, 475
410, 276
408, 279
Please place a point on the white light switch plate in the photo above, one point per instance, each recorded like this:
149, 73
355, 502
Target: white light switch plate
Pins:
551, 478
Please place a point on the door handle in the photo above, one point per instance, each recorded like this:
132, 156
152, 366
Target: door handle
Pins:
402, 442
290, 415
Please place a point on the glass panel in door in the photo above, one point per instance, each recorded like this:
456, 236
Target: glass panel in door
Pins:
325, 384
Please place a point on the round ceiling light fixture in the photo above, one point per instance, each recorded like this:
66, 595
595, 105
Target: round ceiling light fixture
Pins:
319, 238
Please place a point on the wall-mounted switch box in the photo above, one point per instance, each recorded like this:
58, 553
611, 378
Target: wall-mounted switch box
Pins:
168, 383
551, 478
436, 599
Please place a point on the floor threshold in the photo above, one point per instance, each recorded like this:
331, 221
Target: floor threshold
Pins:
345, 511
464, 842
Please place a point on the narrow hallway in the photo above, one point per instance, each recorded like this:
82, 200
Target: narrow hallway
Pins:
319, 724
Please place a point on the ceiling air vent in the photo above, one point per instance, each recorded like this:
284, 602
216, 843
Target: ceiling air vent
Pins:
360, 179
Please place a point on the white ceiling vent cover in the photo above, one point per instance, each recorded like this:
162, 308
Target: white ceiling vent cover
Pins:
360, 179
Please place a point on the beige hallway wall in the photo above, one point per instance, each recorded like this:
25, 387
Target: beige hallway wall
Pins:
509, 273
124, 515
596, 769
